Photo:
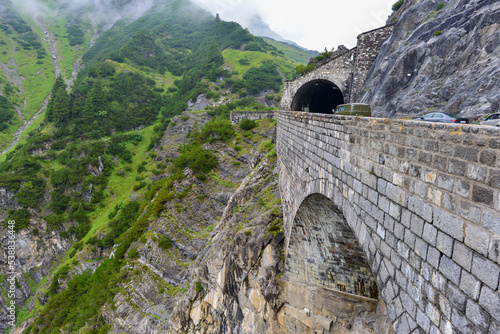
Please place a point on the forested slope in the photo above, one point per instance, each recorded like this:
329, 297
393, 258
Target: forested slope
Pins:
109, 155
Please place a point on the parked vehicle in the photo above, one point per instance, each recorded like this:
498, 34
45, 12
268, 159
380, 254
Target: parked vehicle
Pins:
493, 120
354, 109
443, 118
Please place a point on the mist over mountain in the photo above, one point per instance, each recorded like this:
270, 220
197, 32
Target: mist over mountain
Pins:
259, 28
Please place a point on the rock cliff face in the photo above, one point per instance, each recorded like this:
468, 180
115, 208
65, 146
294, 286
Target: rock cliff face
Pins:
441, 56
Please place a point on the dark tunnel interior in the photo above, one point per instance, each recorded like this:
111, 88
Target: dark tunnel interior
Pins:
318, 96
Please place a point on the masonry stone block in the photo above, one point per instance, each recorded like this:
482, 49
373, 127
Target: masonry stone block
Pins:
462, 255
457, 167
494, 178
457, 298
459, 320
482, 194
476, 173
477, 315
462, 188
449, 224
470, 211
421, 247
486, 271
494, 251
476, 238
450, 269
444, 243
417, 225
423, 321
450, 202
429, 234
490, 301
470, 285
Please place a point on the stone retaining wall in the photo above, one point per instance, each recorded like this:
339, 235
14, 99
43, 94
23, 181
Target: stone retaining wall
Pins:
238, 116
422, 199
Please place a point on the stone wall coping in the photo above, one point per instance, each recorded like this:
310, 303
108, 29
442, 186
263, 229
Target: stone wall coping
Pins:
252, 112
373, 30
466, 128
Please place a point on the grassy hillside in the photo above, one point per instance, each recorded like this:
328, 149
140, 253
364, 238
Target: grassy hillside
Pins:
293, 52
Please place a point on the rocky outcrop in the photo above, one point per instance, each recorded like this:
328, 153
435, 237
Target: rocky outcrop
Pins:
439, 57
36, 254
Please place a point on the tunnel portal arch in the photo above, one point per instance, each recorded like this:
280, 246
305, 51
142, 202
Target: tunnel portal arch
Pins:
318, 96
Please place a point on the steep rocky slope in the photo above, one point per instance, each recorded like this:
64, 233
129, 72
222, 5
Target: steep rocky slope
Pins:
442, 55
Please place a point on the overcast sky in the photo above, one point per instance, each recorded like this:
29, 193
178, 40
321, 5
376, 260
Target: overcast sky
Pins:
313, 24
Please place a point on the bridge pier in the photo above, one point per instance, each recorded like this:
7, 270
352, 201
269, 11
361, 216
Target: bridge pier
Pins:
423, 202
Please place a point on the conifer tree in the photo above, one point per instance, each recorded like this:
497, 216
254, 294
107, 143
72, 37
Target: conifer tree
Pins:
60, 107
95, 104
214, 55
58, 85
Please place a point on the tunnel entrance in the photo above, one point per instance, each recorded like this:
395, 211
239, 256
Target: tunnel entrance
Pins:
318, 96
324, 251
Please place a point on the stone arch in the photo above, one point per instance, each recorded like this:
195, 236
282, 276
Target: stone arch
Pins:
323, 250
328, 275
318, 96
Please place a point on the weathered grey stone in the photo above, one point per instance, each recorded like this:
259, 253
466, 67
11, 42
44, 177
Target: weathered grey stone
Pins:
462, 188
490, 300
486, 271
470, 211
482, 194
423, 321
419, 207
459, 320
462, 255
470, 285
433, 257
490, 221
450, 269
444, 243
457, 167
476, 238
494, 252
467, 153
449, 224
477, 315
456, 297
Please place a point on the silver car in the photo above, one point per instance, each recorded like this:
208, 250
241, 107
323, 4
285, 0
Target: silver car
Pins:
442, 118
493, 120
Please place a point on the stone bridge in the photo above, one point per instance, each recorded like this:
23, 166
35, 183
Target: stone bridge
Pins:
403, 213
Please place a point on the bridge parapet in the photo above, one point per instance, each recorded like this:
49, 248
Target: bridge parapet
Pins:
423, 200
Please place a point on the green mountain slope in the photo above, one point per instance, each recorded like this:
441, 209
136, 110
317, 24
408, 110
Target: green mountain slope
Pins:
293, 52
98, 168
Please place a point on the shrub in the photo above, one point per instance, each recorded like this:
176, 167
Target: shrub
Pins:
21, 217
133, 253
164, 242
301, 69
217, 128
266, 146
196, 158
398, 5
140, 185
59, 202
440, 6
247, 124
437, 32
